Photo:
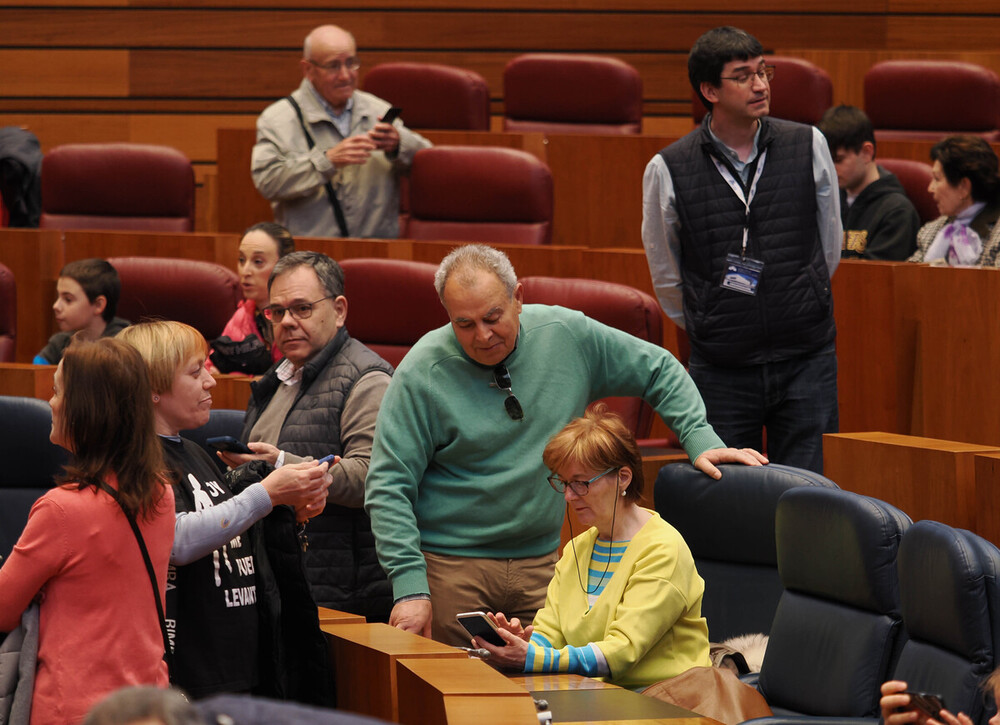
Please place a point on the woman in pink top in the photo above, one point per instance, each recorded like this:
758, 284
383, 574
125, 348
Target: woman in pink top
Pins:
262, 246
98, 623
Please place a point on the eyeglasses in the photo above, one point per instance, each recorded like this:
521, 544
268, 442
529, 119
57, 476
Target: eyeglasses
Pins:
335, 66
501, 381
765, 73
300, 310
580, 488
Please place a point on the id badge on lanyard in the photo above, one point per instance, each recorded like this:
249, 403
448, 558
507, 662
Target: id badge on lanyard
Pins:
742, 272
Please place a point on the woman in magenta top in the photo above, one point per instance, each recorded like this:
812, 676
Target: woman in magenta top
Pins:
262, 246
99, 629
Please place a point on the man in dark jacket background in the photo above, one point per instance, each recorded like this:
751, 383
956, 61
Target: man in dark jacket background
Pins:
741, 225
321, 399
880, 221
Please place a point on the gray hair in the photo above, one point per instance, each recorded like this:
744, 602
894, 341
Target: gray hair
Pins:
473, 257
330, 275
143, 703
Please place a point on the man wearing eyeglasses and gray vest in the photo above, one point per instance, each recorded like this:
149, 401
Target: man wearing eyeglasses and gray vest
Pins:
741, 225
321, 399
462, 514
323, 158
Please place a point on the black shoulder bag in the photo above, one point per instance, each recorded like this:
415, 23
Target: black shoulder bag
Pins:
337, 211
168, 655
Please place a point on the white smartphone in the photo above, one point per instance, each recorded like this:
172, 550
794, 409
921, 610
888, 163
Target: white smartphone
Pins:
479, 625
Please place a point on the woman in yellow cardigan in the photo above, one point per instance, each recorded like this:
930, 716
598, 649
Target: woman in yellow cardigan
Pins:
625, 601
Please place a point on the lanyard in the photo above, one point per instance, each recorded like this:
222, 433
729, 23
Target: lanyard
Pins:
737, 186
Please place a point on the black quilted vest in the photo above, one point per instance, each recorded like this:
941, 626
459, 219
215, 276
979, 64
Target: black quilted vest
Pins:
341, 564
792, 313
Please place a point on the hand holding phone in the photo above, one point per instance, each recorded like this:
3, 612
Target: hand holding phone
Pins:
479, 625
228, 444
926, 702
391, 115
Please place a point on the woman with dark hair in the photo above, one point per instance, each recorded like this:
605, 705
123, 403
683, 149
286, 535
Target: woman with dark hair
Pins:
246, 344
625, 600
99, 626
966, 187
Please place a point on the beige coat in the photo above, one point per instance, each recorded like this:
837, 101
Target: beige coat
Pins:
292, 177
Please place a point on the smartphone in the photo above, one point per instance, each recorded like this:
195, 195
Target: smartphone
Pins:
391, 115
227, 444
479, 625
328, 459
926, 702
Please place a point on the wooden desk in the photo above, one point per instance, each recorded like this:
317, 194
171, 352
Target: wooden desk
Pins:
988, 496
925, 477
335, 616
364, 657
231, 391
547, 682
456, 692
27, 381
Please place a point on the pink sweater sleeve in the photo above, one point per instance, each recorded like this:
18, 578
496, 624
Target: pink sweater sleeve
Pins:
38, 556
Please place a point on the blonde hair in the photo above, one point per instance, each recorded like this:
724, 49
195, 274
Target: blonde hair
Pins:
165, 345
599, 440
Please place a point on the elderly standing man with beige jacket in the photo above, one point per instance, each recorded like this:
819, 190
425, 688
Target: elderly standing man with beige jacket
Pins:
330, 148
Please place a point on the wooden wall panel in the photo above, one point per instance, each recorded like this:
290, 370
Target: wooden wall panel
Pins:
944, 32
558, 31
64, 73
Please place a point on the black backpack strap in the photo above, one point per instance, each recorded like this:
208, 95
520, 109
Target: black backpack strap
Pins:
334, 202
168, 654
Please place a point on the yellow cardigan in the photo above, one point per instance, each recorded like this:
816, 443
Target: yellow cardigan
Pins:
647, 622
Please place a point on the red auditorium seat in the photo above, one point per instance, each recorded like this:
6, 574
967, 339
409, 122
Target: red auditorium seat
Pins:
930, 99
128, 186
391, 303
201, 294
915, 176
569, 93
480, 194
433, 96
800, 91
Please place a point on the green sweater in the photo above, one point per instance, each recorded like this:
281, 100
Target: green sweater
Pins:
451, 473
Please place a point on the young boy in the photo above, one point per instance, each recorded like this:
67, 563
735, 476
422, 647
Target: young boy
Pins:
880, 221
87, 297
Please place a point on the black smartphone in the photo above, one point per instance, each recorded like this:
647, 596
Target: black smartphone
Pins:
479, 625
926, 702
391, 115
228, 444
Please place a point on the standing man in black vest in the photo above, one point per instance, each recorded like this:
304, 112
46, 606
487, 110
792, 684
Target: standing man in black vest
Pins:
322, 398
741, 225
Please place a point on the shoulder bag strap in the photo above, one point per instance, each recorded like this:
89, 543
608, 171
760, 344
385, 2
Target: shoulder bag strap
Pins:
337, 211
168, 654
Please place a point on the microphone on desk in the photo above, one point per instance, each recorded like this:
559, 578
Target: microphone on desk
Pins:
483, 654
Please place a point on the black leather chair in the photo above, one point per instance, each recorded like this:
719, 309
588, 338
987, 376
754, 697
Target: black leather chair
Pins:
221, 422
28, 471
838, 630
951, 609
729, 526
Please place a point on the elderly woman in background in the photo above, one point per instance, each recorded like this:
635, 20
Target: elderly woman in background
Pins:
225, 624
625, 600
99, 626
246, 344
966, 187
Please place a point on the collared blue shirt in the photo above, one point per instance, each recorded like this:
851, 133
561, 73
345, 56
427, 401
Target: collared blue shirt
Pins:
341, 121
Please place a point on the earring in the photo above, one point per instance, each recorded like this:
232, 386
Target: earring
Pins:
156, 398
623, 492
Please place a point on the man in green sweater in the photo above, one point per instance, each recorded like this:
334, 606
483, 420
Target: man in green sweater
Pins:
457, 493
